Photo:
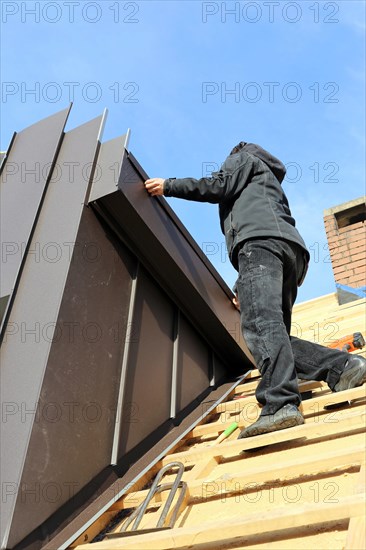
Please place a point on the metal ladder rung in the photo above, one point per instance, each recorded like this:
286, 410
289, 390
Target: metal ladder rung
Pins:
155, 489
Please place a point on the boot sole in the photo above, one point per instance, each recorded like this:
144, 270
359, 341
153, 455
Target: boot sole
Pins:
289, 422
353, 378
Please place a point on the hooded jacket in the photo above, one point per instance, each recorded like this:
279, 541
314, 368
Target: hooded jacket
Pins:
251, 200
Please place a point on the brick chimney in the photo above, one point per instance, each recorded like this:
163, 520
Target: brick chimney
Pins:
346, 233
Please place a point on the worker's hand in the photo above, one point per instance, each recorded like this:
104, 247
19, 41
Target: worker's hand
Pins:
236, 302
155, 186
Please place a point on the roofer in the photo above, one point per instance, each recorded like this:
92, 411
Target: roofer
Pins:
271, 258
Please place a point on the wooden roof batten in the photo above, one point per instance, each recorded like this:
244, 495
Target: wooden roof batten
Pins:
301, 487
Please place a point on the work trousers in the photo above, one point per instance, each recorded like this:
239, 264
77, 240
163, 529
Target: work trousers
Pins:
269, 271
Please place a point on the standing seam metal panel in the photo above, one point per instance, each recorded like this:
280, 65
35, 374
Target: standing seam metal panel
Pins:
24, 362
25, 175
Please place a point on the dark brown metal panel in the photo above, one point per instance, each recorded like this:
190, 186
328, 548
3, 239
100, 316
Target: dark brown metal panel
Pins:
27, 166
181, 248
170, 256
219, 370
110, 159
32, 322
194, 359
72, 439
149, 372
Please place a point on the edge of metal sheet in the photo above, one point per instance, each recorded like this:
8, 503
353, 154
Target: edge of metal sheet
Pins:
122, 382
177, 222
106, 175
174, 389
6, 153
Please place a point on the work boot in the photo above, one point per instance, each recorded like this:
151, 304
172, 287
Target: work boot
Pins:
353, 375
287, 417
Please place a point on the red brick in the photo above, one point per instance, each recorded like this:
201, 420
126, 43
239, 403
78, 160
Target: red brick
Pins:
342, 269
346, 266
356, 234
331, 227
357, 284
347, 251
359, 276
338, 238
332, 233
359, 249
359, 264
353, 281
345, 259
345, 280
340, 248
337, 256
354, 243
341, 257
352, 227
336, 241
356, 257
357, 243
360, 273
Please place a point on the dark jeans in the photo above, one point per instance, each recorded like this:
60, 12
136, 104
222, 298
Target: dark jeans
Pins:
269, 270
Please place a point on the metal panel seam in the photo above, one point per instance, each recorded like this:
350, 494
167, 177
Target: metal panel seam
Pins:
173, 402
122, 382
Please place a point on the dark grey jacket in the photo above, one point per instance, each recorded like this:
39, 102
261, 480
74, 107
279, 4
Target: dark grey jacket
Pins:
250, 197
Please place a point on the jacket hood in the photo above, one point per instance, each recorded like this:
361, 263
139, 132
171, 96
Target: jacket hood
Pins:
274, 164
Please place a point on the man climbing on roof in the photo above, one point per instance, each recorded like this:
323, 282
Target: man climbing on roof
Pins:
271, 258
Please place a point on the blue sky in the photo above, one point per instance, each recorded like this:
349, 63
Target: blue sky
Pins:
191, 79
